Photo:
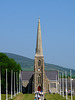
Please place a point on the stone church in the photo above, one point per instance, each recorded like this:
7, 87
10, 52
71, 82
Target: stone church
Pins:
39, 79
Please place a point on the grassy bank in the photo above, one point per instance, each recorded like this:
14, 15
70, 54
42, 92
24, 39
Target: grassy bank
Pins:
22, 96
73, 97
54, 97
3, 96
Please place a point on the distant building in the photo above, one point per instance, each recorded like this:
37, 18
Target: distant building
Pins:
39, 79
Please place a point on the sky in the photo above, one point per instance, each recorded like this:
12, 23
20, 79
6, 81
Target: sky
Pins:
18, 29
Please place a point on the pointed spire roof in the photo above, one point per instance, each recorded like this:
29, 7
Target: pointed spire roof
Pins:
39, 41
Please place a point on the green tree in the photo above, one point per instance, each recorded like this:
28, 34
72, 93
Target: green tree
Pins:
9, 64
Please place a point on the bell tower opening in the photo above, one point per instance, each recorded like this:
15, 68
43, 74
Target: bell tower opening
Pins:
39, 63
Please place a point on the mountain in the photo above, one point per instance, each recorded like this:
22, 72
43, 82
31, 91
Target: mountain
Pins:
28, 64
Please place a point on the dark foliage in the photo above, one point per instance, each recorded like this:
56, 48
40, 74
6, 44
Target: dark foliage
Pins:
9, 64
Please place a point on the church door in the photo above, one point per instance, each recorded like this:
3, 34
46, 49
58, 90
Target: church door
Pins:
39, 88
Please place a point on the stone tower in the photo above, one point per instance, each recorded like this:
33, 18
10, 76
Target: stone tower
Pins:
39, 68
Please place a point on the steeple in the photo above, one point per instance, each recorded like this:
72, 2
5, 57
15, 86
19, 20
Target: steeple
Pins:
39, 68
39, 51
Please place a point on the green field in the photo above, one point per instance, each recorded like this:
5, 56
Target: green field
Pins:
24, 97
54, 97
73, 97
3, 96
32, 96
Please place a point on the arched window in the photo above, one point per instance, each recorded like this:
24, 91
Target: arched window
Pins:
39, 63
39, 79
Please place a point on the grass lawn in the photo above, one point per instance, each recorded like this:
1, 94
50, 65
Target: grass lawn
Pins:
73, 97
54, 97
24, 97
32, 96
29, 97
3, 96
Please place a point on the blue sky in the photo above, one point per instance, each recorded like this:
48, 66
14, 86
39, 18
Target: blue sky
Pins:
18, 29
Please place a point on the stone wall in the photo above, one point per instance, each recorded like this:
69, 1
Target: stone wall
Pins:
54, 86
46, 84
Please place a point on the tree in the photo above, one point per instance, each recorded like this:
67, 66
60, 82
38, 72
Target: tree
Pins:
9, 64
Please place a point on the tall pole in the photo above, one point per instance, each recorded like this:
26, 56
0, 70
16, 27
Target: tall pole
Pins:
63, 82
11, 83
60, 83
71, 83
19, 82
56, 83
14, 83
6, 86
66, 84
0, 84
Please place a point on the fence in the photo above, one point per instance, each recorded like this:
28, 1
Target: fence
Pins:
16, 84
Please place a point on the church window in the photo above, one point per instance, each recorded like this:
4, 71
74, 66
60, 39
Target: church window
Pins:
39, 63
39, 79
53, 85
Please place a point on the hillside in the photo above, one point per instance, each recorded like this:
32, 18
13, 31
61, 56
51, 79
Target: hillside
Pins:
28, 64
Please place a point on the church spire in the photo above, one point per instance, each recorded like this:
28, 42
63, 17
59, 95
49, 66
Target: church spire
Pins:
39, 51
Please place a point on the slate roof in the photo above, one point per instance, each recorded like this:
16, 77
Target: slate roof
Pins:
26, 75
51, 75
